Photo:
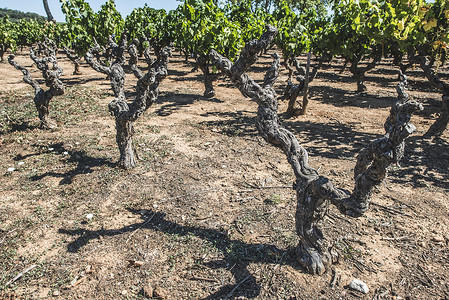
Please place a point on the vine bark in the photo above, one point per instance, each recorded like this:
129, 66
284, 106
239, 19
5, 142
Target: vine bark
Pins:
293, 91
125, 114
75, 60
440, 125
202, 62
147, 92
314, 192
115, 70
51, 72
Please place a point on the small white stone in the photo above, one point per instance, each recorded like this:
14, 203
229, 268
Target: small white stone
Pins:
89, 216
11, 169
359, 285
66, 153
21, 163
51, 149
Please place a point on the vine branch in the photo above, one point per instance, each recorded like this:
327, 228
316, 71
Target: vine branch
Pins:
314, 192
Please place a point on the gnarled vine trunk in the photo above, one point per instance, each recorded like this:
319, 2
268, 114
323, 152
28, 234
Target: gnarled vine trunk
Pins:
314, 192
359, 72
47, 47
293, 91
203, 63
51, 72
398, 56
146, 54
75, 60
147, 91
124, 134
115, 71
289, 62
125, 115
440, 125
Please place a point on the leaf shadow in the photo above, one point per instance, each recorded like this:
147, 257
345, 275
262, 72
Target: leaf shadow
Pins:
424, 164
237, 254
84, 163
173, 102
19, 127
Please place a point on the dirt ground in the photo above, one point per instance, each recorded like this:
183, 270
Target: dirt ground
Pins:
207, 213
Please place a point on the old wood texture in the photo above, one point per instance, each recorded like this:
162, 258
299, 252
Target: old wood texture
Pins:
75, 60
115, 70
126, 113
293, 91
147, 91
440, 125
202, 62
360, 72
51, 72
314, 192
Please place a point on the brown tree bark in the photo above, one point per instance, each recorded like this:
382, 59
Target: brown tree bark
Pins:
75, 60
202, 62
293, 91
359, 72
314, 192
147, 92
440, 125
51, 72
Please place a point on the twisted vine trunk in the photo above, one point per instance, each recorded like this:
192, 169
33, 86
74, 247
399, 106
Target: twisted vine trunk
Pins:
360, 72
203, 63
398, 61
124, 134
159, 64
345, 65
293, 91
47, 47
146, 54
125, 115
75, 60
314, 192
115, 71
440, 125
51, 76
147, 91
289, 62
